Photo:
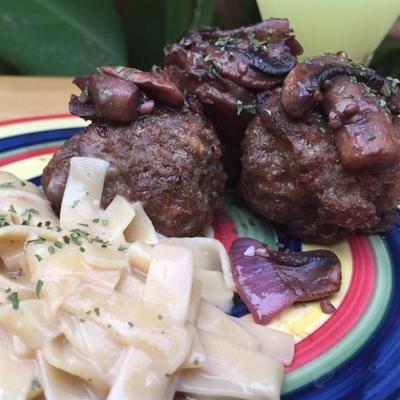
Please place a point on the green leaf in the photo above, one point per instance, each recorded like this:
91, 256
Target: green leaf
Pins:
6, 69
234, 13
203, 13
386, 59
143, 22
388, 44
60, 37
178, 16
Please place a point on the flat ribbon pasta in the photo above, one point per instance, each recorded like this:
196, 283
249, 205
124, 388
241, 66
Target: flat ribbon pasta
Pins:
100, 306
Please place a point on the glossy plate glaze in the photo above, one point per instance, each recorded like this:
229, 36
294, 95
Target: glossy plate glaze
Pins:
353, 354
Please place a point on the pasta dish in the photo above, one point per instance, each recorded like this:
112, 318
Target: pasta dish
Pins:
97, 305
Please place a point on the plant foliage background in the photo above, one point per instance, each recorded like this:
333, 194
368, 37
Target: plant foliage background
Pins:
72, 37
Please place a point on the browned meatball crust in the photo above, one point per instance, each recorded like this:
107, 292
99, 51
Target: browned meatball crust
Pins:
293, 174
169, 160
225, 69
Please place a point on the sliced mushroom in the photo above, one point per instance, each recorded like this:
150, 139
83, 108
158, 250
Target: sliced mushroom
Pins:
120, 95
353, 98
271, 65
364, 134
105, 97
239, 67
156, 83
225, 69
302, 87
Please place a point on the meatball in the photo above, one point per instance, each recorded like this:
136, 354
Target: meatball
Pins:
169, 159
293, 174
225, 69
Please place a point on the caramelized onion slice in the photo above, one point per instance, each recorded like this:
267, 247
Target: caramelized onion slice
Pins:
269, 282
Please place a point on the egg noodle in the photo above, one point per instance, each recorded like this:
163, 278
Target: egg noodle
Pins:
97, 305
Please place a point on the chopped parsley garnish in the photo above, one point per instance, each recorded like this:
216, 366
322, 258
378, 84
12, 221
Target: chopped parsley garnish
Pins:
81, 224
12, 209
130, 324
251, 108
96, 220
39, 240
104, 222
66, 239
82, 249
127, 74
58, 244
371, 136
223, 41
51, 249
196, 361
322, 129
244, 107
255, 44
14, 300
31, 211
159, 316
185, 41
393, 81
239, 107
28, 220
80, 232
82, 320
39, 258
208, 58
7, 185
369, 90
99, 240
8, 290
97, 311
386, 91
122, 248
35, 385
75, 203
382, 103
76, 239
39, 285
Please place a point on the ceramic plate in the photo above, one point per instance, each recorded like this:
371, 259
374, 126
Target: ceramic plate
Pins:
352, 354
